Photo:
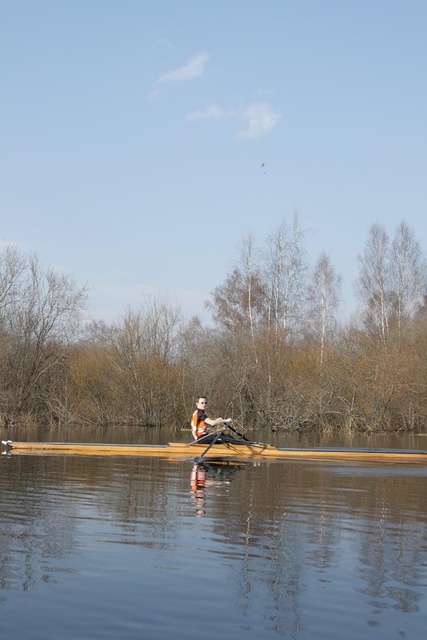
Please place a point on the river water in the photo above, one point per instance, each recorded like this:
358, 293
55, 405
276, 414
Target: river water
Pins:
134, 549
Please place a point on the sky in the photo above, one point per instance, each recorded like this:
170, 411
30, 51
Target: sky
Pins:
133, 135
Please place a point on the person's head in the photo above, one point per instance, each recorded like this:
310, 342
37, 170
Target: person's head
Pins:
201, 402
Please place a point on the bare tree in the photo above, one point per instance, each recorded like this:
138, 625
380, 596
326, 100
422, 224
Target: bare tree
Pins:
39, 319
373, 283
237, 305
251, 279
323, 299
392, 280
144, 349
12, 266
284, 273
408, 276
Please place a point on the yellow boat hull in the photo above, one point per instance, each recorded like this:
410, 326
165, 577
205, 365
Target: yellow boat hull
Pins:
244, 451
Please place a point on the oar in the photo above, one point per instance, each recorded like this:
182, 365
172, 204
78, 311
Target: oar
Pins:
241, 435
217, 437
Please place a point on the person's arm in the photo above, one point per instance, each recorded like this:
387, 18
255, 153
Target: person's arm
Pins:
217, 422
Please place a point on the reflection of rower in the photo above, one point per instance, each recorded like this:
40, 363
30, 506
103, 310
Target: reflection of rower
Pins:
198, 481
198, 477
205, 474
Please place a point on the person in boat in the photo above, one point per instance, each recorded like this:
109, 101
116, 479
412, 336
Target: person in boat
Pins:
204, 428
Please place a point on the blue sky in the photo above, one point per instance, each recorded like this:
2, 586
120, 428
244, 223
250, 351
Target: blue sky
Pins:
132, 135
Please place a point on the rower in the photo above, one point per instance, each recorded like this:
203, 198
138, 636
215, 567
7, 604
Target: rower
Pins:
202, 425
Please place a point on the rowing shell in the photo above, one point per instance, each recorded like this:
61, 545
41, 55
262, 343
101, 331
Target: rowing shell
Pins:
233, 451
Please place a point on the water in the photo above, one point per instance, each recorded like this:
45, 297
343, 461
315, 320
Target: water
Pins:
151, 549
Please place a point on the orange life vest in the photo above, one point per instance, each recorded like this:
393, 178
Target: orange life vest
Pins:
198, 427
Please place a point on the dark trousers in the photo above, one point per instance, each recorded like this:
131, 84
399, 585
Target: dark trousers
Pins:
210, 437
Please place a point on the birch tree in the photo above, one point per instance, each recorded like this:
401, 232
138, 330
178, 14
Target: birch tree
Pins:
237, 305
392, 280
408, 276
373, 283
323, 300
284, 273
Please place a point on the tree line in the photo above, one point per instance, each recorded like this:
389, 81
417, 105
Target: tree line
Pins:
276, 356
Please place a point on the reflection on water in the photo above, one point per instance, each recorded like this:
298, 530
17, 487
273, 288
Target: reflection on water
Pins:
145, 548
210, 474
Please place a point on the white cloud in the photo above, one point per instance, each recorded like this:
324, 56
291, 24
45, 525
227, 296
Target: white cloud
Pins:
260, 118
210, 112
195, 67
